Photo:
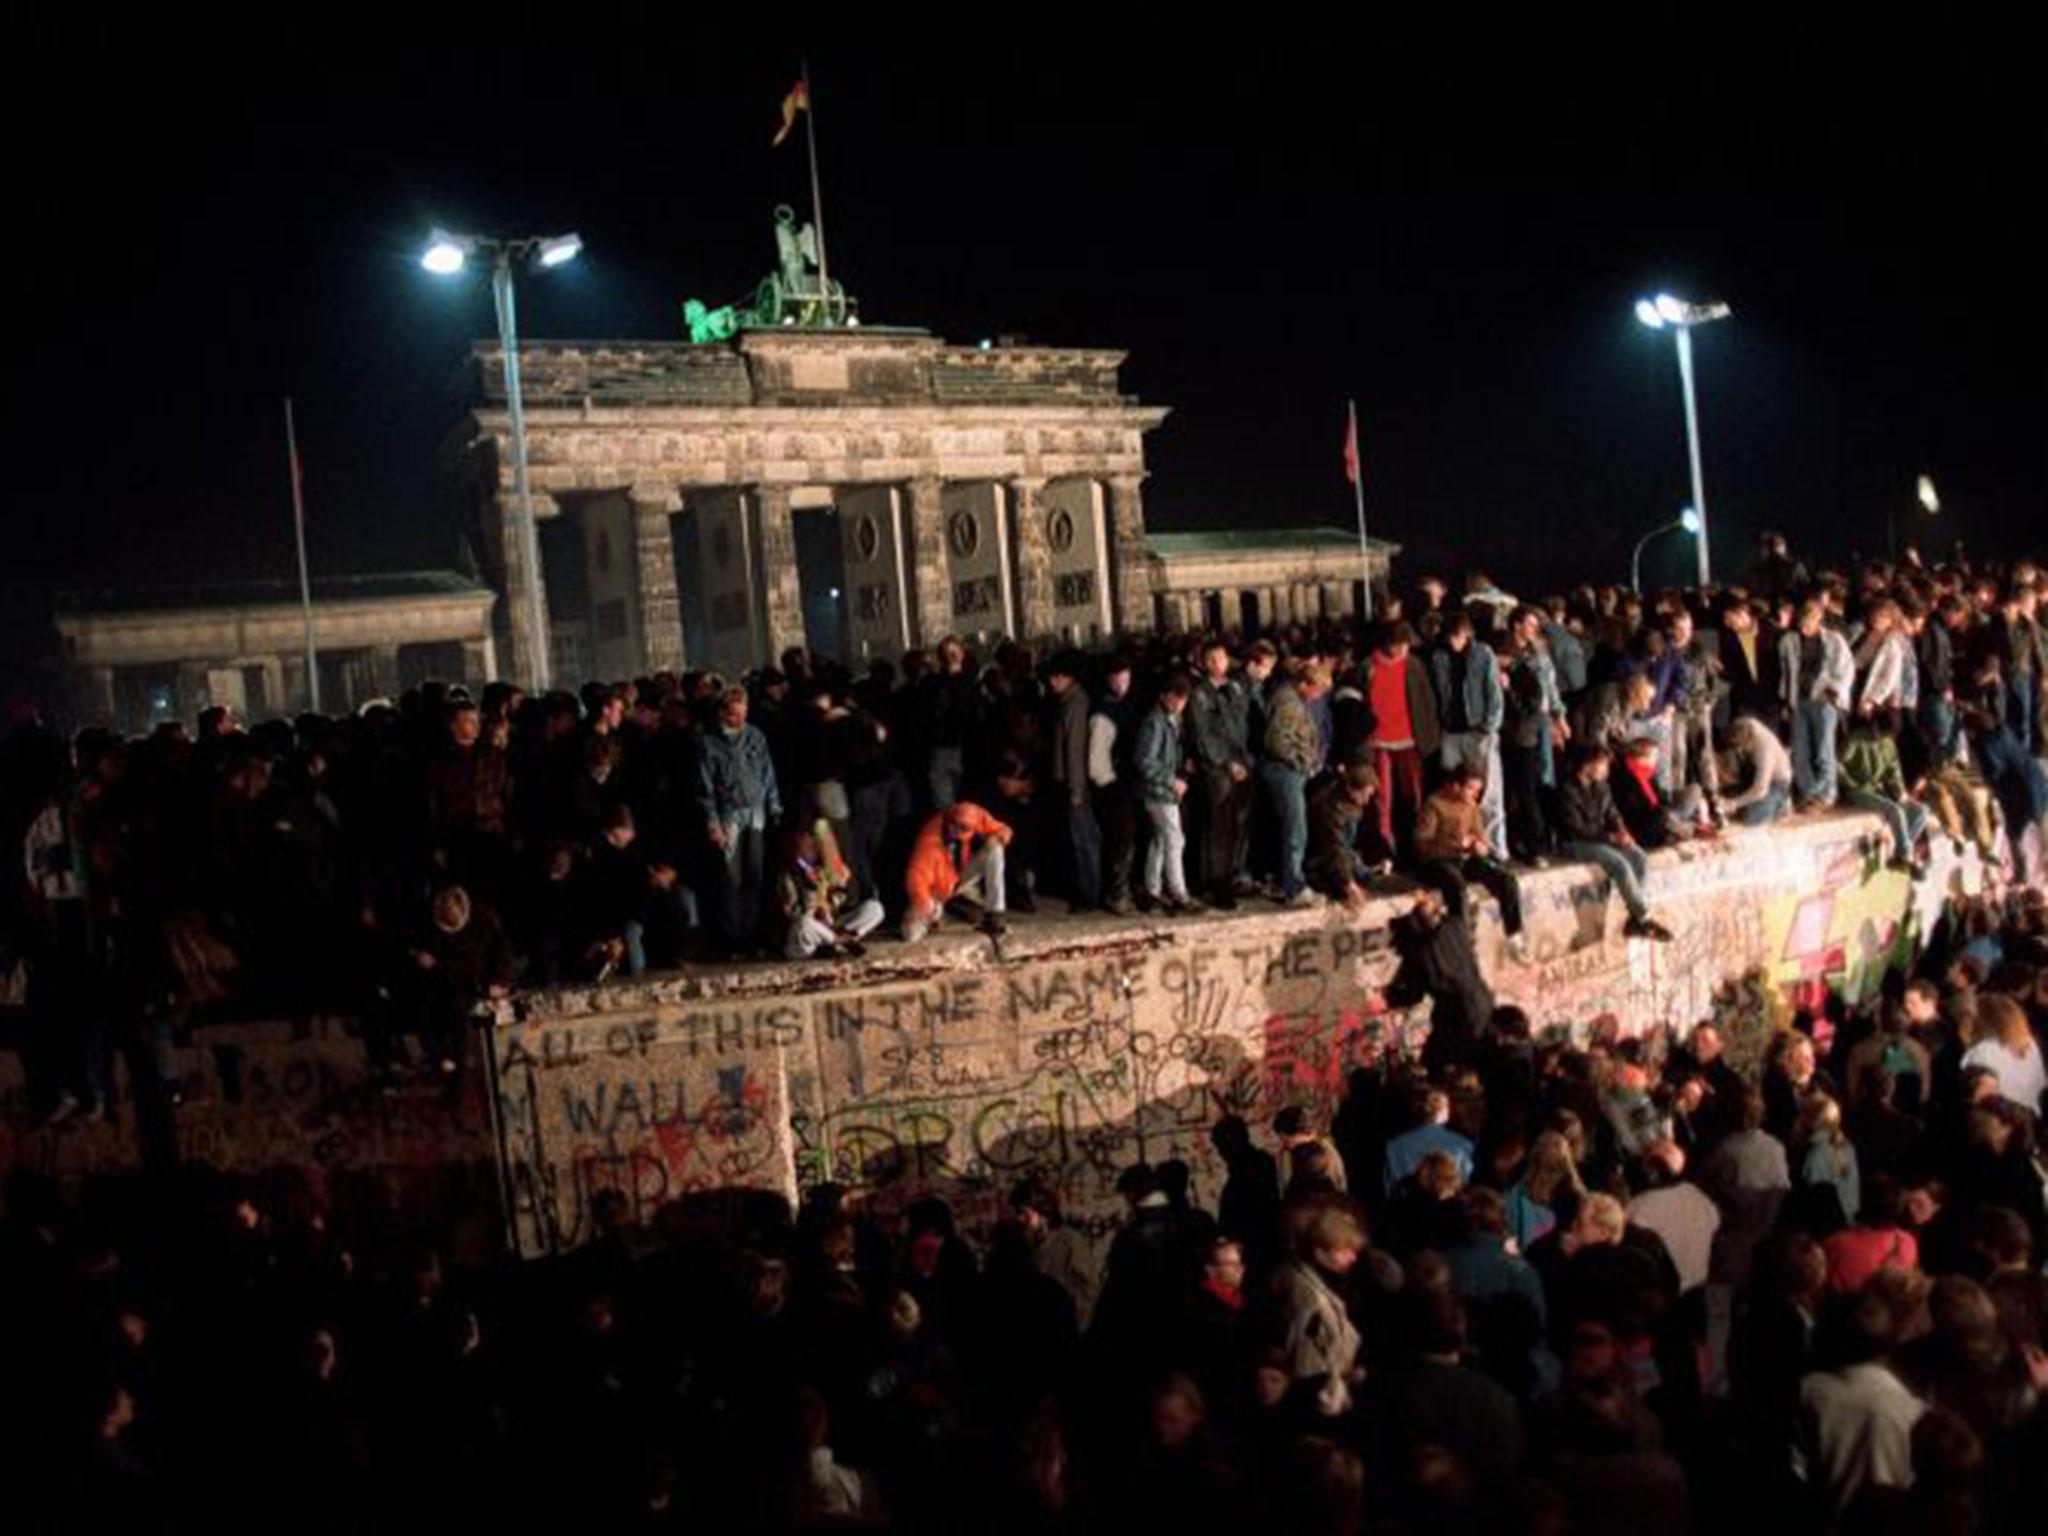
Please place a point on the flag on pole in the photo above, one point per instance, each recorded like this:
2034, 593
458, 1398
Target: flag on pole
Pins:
1351, 447
798, 100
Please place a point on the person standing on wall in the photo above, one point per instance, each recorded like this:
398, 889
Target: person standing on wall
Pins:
1218, 727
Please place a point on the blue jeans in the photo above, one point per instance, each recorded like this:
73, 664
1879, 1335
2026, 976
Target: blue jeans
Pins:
1813, 750
1760, 813
1627, 867
1906, 818
942, 776
1938, 727
1287, 788
1084, 842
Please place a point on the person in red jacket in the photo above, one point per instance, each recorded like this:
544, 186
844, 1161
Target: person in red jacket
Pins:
959, 853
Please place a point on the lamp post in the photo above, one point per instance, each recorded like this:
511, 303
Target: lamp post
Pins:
446, 255
1689, 520
1661, 313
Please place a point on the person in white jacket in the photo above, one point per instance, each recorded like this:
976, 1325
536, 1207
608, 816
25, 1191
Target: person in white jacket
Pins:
1817, 675
1856, 1424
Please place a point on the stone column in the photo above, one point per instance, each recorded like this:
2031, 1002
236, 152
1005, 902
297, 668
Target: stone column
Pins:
528, 651
782, 607
1337, 599
277, 699
96, 695
1034, 561
298, 693
1131, 571
480, 660
931, 578
1308, 600
193, 693
661, 601
384, 675
1279, 606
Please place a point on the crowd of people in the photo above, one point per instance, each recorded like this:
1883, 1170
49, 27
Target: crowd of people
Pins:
1574, 1283
431, 852
1546, 1285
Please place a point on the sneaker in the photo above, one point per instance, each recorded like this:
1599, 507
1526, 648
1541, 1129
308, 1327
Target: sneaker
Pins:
1302, 900
852, 949
993, 925
1119, 906
1187, 906
1646, 928
1518, 948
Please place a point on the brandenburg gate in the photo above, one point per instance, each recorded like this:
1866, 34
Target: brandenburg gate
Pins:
858, 490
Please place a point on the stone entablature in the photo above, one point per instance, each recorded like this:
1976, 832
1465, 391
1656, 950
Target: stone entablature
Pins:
233, 634
1289, 574
984, 491
135, 656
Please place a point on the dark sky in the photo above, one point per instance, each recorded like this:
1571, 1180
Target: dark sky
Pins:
1452, 227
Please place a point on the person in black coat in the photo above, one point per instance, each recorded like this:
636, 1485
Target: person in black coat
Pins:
1437, 962
1249, 1207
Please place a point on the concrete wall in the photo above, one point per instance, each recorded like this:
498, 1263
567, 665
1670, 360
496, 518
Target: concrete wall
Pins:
1124, 1041
271, 1095
1075, 1050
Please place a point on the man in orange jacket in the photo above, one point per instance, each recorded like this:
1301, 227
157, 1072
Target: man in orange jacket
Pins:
958, 853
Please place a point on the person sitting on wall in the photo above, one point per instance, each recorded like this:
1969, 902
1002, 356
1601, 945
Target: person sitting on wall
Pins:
1657, 818
814, 891
1452, 847
1336, 810
1872, 779
1756, 773
958, 857
1595, 833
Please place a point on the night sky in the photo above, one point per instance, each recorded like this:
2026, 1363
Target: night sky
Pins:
1450, 227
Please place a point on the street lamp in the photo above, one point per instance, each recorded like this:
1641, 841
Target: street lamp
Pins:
1660, 313
445, 256
1689, 520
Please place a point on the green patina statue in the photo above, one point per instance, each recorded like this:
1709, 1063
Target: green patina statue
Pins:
796, 294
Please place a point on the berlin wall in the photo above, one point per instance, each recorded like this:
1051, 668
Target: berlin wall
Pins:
961, 1066
1068, 1051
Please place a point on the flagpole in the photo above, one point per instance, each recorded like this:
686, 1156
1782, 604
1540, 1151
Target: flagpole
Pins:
1358, 486
291, 442
817, 198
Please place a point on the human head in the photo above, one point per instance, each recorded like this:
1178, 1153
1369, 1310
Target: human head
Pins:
732, 708
1178, 1412
451, 909
1601, 1221
1223, 1264
618, 825
1173, 694
1334, 1239
2001, 1018
1215, 658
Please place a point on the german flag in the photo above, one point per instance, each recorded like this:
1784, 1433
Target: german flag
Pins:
798, 100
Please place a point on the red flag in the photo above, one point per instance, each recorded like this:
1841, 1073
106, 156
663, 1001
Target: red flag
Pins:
1351, 448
